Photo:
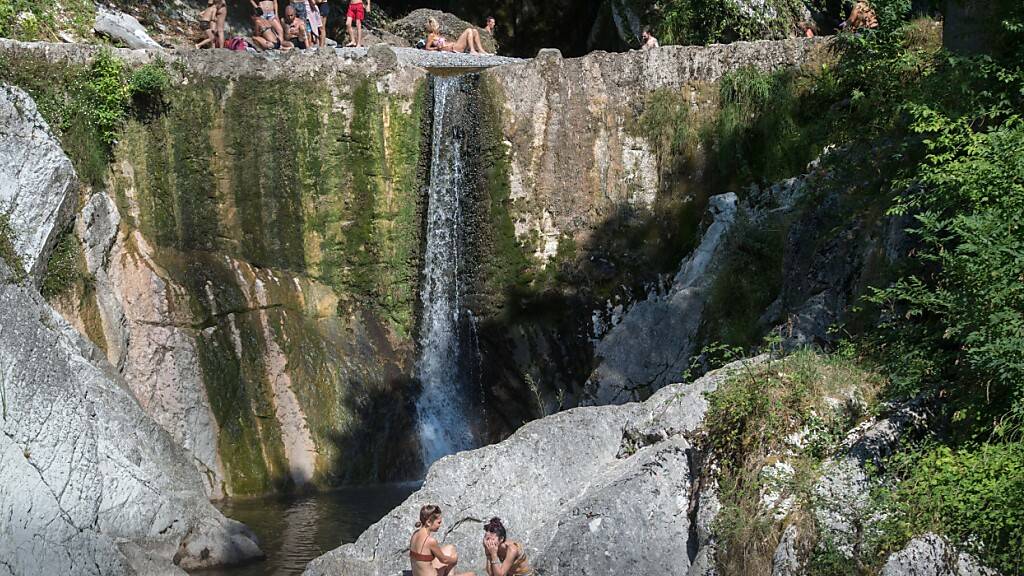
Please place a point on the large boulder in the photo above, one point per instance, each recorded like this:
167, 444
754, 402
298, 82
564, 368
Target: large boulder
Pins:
576, 488
413, 27
37, 181
122, 27
89, 484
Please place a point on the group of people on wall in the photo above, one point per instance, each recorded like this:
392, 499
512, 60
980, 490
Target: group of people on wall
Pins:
504, 557
303, 24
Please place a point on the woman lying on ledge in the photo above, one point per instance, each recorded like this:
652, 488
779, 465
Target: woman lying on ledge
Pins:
469, 40
428, 558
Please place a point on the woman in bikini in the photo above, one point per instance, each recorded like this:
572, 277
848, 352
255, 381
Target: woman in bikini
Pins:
269, 13
504, 557
207, 21
263, 34
468, 40
428, 558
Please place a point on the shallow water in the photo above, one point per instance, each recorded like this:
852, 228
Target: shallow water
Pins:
295, 530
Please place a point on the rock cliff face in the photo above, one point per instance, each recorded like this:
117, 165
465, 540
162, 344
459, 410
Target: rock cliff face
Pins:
251, 251
252, 255
89, 483
585, 214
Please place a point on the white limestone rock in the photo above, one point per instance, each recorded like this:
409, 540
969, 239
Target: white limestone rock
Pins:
89, 484
37, 181
576, 488
123, 27
932, 555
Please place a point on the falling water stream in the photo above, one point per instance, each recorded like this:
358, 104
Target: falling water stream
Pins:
444, 410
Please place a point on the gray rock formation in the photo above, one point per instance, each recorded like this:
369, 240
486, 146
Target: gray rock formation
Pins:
123, 28
842, 494
932, 555
655, 339
37, 181
576, 158
89, 484
412, 27
576, 488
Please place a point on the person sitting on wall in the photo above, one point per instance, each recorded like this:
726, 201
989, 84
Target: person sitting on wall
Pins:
208, 23
268, 8
469, 40
504, 557
263, 34
295, 29
428, 558
649, 41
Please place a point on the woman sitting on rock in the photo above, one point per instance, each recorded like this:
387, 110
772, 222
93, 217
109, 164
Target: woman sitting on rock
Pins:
504, 557
427, 556
469, 40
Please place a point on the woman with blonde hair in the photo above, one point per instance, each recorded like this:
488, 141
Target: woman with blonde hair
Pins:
468, 40
429, 558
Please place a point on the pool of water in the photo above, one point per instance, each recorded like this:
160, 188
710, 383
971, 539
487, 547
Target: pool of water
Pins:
295, 530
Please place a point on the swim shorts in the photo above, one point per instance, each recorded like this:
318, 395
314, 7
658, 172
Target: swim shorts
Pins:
325, 9
356, 12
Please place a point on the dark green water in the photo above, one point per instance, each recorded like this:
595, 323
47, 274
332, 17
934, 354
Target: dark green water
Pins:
295, 530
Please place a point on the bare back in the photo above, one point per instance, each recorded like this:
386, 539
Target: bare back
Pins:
420, 543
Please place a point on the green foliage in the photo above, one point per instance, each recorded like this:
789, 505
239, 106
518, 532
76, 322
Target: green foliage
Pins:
7, 251
107, 95
715, 21
148, 85
64, 269
769, 125
749, 280
973, 495
749, 418
87, 105
32, 20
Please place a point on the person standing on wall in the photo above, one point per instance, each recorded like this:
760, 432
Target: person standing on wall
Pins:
356, 13
325, 11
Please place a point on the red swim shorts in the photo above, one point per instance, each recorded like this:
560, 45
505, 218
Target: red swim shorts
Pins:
356, 12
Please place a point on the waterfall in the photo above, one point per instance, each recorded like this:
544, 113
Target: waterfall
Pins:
444, 409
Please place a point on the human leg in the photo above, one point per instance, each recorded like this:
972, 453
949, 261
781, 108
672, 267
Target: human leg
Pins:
359, 33
222, 16
463, 43
479, 44
351, 32
446, 569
